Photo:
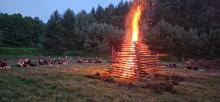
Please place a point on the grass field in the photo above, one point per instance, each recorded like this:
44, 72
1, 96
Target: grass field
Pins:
68, 84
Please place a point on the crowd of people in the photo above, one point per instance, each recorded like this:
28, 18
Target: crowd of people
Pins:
51, 61
88, 60
27, 62
67, 60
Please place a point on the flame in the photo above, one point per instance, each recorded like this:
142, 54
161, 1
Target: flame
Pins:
127, 65
135, 24
132, 21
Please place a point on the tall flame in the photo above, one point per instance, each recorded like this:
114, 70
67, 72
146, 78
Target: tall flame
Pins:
133, 20
134, 55
128, 50
135, 23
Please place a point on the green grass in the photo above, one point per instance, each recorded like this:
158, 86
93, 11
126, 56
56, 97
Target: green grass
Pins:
68, 84
169, 58
7, 52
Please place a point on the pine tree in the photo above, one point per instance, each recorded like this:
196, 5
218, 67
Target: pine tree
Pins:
53, 38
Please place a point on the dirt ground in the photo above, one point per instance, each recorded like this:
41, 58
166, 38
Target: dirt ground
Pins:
67, 83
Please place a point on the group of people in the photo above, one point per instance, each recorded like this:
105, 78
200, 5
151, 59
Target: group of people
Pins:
4, 65
52, 61
25, 62
191, 65
172, 65
68, 60
88, 60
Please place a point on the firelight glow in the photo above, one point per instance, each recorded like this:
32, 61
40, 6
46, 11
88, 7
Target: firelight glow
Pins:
135, 24
128, 64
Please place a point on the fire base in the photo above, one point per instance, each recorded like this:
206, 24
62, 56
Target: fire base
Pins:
133, 60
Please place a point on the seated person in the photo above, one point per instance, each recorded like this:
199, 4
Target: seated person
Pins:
191, 64
46, 62
41, 61
4, 65
65, 61
24, 63
54, 61
195, 66
188, 65
20, 63
98, 60
89, 60
49, 61
60, 61
27, 62
85, 60
80, 60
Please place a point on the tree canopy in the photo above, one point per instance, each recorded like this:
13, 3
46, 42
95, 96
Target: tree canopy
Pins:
183, 28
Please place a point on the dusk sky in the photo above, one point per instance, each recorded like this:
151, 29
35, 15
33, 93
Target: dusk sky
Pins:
44, 8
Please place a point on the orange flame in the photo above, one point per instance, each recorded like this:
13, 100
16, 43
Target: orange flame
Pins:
135, 24
127, 62
133, 20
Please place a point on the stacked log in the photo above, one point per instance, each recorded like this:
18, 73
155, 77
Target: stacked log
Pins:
132, 60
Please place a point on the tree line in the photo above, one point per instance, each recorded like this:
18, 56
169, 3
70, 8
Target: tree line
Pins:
183, 28
19, 31
186, 28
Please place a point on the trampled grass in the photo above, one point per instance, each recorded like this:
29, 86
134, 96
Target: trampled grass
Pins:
68, 84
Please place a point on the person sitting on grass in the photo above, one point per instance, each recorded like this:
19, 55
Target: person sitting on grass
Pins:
20, 63
60, 61
41, 61
28, 62
4, 65
79, 60
65, 61
46, 62
25, 63
90, 60
191, 65
98, 60
49, 60
54, 61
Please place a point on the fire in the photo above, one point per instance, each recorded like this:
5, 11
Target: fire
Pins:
133, 20
135, 23
134, 55
128, 62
